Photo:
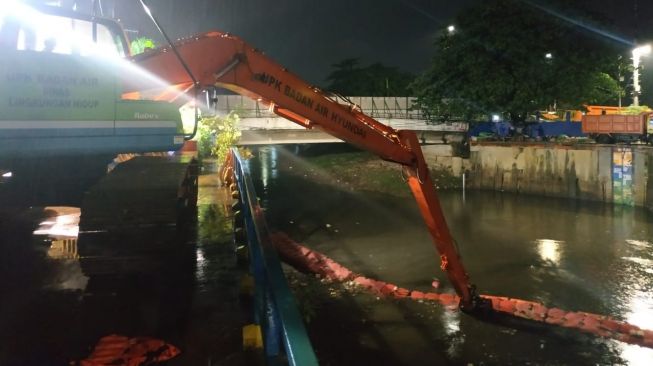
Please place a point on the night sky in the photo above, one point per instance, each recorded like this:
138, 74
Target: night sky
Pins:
307, 36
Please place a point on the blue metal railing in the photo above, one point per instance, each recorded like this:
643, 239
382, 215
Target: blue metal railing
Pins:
275, 308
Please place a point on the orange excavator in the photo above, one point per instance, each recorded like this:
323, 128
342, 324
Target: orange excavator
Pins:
223, 60
77, 108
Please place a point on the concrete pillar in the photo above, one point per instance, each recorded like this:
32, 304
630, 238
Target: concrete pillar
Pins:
456, 166
649, 181
640, 176
605, 173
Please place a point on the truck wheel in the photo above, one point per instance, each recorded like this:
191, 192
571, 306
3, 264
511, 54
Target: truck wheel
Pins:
604, 139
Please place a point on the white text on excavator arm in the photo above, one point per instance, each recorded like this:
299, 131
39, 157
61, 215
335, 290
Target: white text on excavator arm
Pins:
218, 59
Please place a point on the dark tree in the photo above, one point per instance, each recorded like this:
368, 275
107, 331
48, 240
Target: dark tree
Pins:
511, 58
350, 79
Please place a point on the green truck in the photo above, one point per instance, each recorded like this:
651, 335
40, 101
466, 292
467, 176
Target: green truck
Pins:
64, 118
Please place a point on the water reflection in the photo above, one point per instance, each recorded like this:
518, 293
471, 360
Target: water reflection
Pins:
591, 256
647, 263
61, 222
640, 304
636, 355
639, 243
549, 250
641, 308
456, 339
200, 272
267, 158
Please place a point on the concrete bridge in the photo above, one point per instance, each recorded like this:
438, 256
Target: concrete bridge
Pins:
259, 126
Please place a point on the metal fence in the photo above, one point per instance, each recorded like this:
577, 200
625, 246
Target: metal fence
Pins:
275, 310
376, 107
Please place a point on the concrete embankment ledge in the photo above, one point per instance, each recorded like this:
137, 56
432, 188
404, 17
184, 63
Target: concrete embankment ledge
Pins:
618, 174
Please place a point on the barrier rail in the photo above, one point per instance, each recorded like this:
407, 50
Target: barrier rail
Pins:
376, 107
275, 309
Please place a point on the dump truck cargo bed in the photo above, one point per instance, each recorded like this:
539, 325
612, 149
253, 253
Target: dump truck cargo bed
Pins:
615, 124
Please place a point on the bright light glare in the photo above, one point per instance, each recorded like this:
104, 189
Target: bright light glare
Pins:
451, 323
7, 175
496, 118
42, 32
641, 307
639, 243
642, 50
451, 28
187, 112
637, 54
69, 38
64, 225
639, 314
268, 159
549, 55
202, 264
146, 8
549, 250
636, 355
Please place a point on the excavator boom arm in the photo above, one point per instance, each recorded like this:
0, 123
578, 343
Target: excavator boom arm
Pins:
218, 59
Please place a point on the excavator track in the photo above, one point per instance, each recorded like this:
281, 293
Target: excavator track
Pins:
132, 219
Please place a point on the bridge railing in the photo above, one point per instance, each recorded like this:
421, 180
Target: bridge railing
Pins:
275, 308
376, 107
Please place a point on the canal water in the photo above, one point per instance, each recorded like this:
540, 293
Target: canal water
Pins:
573, 255
52, 314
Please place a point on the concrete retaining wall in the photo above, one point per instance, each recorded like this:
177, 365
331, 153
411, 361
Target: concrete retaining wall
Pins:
440, 157
578, 172
649, 190
584, 174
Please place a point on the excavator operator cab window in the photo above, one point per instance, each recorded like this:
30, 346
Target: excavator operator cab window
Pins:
24, 28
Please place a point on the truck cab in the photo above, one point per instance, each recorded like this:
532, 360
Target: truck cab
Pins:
63, 114
61, 93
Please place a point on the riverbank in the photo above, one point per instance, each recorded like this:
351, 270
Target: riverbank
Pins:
359, 170
605, 173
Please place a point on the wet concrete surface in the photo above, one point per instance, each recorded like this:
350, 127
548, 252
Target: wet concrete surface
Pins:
564, 253
51, 314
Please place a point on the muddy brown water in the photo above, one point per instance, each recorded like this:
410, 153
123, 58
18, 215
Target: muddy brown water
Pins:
568, 254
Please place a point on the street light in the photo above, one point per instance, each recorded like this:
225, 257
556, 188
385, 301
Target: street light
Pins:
637, 54
451, 28
548, 56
